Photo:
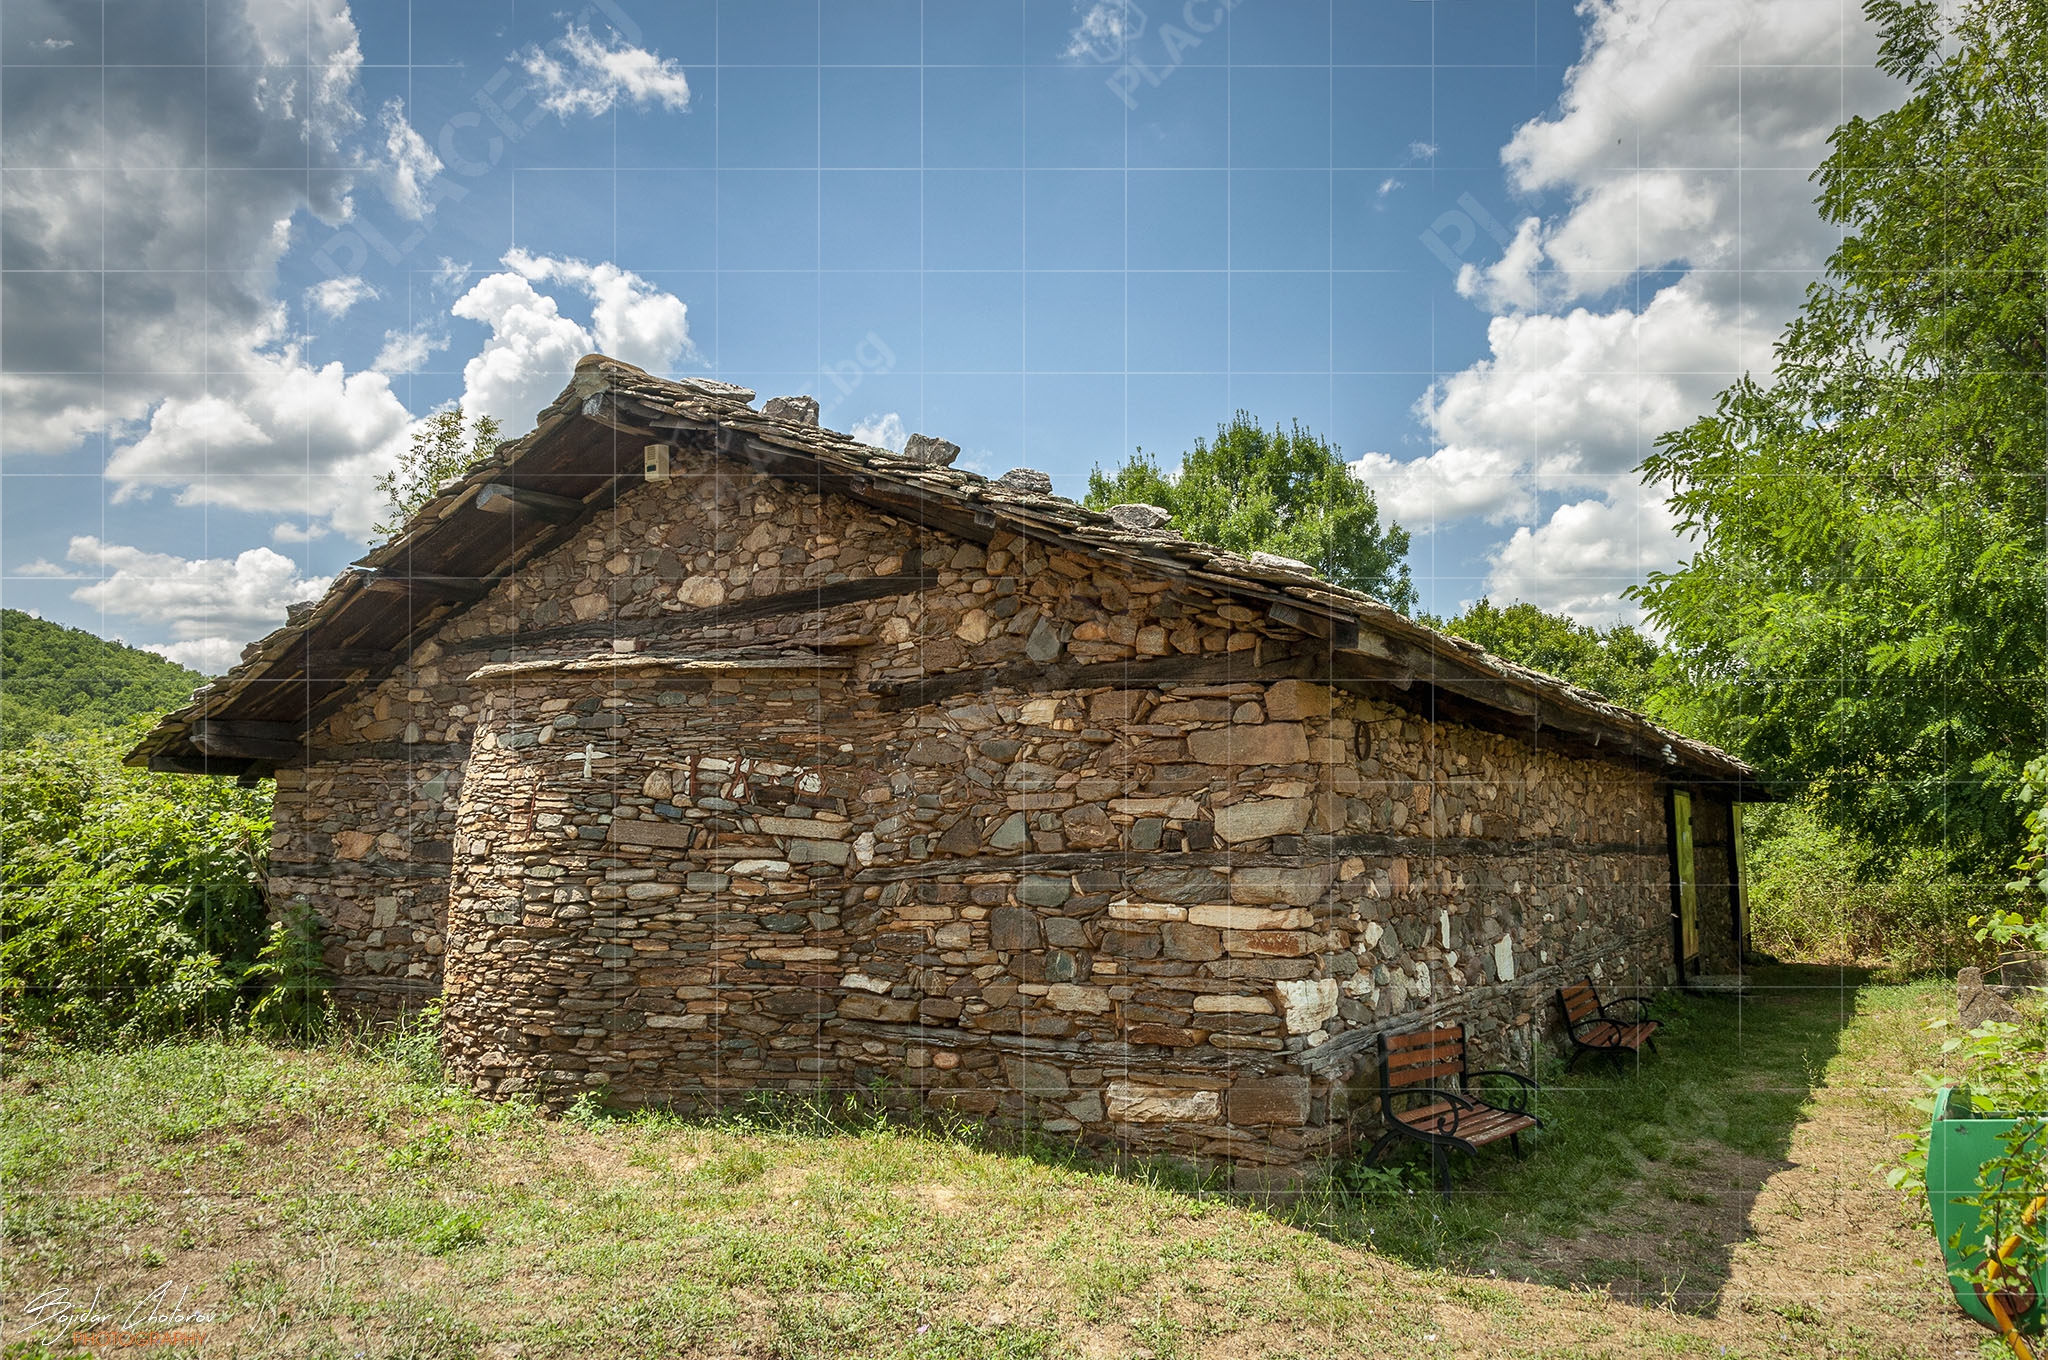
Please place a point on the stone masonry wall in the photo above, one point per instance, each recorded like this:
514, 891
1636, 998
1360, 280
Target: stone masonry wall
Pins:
1169, 916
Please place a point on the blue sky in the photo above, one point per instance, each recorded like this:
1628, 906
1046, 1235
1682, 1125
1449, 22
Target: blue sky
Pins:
1488, 247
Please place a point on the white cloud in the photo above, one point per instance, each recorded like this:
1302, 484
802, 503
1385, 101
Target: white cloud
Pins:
882, 432
1106, 30
1685, 139
197, 252
277, 436
533, 348
583, 73
333, 297
632, 320
1581, 559
210, 607
407, 351
1686, 134
410, 164
1582, 394
1454, 483
304, 532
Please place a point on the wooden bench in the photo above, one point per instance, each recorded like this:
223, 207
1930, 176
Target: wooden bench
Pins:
1426, 1096
1617, 1030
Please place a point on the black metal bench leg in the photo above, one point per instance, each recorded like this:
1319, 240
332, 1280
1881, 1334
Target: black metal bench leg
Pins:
1515, 1142
1578, 1052
1442, 1155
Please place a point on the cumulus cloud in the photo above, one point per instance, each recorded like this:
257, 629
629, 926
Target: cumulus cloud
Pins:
581, 73
195, 253
211, 607
1452, 484
1581, 559
533, 347
1684, 141
882, 432
333, 297
279, 435
409, 166
407, 351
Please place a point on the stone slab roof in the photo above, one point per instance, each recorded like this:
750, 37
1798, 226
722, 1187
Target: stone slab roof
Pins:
586, 450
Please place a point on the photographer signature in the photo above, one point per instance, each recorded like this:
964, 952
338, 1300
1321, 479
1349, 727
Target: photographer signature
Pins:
61, 1310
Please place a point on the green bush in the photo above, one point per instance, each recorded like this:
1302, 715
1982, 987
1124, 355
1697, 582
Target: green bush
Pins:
130, 903
1818, 894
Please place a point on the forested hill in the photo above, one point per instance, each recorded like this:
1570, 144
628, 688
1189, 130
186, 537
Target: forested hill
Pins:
57, 679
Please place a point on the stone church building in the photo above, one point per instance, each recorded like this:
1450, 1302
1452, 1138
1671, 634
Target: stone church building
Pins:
687, 750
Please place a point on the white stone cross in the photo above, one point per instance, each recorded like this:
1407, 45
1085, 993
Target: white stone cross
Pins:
588, 754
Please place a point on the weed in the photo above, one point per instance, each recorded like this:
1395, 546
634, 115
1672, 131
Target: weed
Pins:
435, 1145
450, 1233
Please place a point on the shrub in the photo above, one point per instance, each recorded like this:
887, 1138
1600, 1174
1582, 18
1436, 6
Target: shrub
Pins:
130, 903
1818, 894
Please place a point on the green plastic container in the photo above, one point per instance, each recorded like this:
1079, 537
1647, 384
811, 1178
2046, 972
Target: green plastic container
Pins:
1961, 1140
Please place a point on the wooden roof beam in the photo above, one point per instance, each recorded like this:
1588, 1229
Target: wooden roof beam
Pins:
502, 498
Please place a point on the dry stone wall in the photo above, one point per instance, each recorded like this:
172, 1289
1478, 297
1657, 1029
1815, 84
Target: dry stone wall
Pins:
656, 833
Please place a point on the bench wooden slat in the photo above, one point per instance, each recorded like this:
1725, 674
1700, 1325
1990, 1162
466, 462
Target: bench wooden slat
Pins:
1447, 1034
1594, 1031
1423, 1057
1480, 1126
1411, 1064
1410, 1057
1424, 1076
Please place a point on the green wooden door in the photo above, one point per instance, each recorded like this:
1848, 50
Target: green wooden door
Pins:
1741, 850
1688, 878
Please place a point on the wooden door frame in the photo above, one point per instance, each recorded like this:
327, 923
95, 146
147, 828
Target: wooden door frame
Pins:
1671, 792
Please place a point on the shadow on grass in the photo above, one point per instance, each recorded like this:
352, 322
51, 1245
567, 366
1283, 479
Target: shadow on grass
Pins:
1643, 1181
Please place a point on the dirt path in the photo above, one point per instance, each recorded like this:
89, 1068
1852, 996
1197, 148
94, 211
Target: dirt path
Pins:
1835, 1256
1811, 1254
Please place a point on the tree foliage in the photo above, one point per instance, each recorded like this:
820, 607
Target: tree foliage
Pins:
65, 680
1618, 662
130, 903
442, 449
1864, 616
1287, 492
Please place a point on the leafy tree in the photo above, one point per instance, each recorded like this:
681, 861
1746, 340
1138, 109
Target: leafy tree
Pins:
1864, 614
442, 449
1618, 662
1286, 492
65, 680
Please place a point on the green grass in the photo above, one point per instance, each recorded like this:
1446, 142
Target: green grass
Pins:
338, 1201
1729, 1079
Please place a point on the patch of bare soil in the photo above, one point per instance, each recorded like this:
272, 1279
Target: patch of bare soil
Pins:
1815, 1254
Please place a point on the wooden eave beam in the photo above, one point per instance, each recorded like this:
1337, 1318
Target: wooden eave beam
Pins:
249, 740
448, 589
502, 498
223, 766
